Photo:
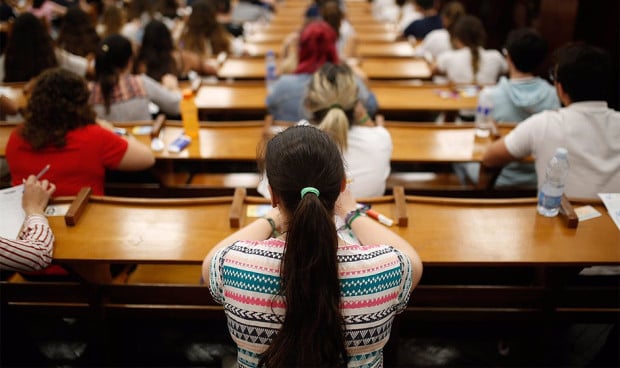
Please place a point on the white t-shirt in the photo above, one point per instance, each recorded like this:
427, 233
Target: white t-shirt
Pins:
408, 14
366, 161
456, 64
590, 131
347, 32
436, 42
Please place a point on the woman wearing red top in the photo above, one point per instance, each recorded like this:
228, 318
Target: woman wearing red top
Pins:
60, 130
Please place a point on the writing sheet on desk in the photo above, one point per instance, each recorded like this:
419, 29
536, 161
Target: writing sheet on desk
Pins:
11, 211
612, 203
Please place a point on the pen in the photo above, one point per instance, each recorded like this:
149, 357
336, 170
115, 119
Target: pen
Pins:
43, 171
379, 217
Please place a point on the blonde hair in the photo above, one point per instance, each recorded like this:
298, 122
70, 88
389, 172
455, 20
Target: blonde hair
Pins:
331, 98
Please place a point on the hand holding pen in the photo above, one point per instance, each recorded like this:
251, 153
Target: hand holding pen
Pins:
36, 195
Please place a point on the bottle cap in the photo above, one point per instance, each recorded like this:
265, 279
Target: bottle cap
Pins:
561, 151
187, 93
270, 53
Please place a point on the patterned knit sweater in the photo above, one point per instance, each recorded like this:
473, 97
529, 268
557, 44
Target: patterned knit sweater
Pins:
375, 283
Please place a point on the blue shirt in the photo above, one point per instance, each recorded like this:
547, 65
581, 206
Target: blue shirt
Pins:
286, 98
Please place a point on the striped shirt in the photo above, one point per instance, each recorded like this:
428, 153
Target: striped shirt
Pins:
33, 248
375, 283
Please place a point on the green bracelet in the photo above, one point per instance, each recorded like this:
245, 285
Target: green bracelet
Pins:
351, 216
274, 231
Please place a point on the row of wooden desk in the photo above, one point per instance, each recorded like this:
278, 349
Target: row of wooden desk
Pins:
373, 67
237, 141
457, 238
392, 98
445, 232
249, 97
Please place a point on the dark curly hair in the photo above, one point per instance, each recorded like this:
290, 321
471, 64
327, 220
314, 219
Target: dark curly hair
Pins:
77, 33
58, 104
29, 50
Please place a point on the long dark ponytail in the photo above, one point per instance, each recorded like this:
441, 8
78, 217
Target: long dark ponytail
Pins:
112, 56
312, 332
470, 31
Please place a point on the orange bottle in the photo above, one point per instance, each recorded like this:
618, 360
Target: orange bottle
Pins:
189, 114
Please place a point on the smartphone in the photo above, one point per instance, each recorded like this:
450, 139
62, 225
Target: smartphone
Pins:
179, 144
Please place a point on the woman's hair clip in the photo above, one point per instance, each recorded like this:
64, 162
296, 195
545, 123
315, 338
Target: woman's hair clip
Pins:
105, 48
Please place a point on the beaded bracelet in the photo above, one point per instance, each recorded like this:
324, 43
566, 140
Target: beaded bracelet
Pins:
351, 216
274, 231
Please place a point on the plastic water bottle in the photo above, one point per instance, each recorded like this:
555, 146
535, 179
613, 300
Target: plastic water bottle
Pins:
189, 114
484, 120
550, 194
270, 71
484, 115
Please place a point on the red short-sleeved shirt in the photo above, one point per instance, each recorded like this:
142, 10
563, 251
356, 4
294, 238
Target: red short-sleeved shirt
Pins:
88, 152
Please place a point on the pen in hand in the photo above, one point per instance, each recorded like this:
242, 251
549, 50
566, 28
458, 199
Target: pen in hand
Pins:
43, 171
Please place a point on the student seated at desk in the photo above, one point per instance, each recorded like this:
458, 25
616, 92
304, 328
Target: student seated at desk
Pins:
77, 33
516, 98
439, 40
33, 248
289, 278
159, 58
203, 35
60, 130
469, 62
586, 127
118, 95
317, 46
367, 148
430, 20
30, 50
332, 102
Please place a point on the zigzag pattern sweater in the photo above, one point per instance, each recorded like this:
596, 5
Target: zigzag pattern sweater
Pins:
375, 282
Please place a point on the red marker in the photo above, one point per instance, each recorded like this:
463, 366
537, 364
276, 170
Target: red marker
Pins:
379, 217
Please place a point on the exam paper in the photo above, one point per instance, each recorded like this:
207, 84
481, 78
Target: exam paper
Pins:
13, 214
612, 203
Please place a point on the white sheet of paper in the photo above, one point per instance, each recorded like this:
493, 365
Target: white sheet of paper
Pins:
612, 203
586, 213
13, 214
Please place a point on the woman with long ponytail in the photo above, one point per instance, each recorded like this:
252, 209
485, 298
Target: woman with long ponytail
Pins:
286, 279
118, 95
469, 62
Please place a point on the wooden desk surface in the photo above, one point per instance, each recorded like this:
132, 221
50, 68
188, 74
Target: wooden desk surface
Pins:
413, 143
442, 233
375, 68
420, 98
435, 144
389, 49
244, 97
251, 96
260, 49
395, 68
279, 33
253, 68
